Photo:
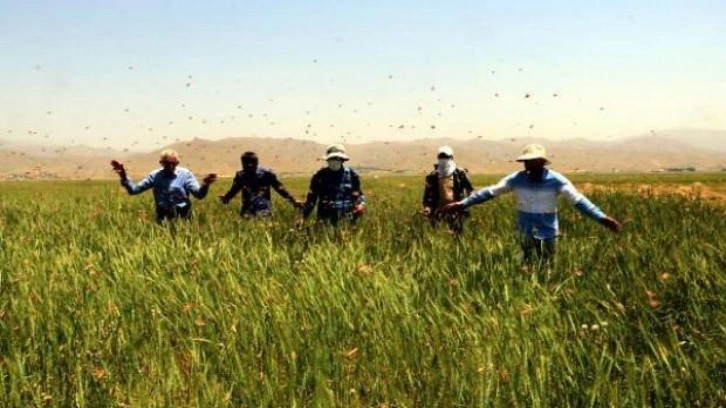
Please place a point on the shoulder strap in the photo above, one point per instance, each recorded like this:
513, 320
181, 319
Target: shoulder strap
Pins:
346, 176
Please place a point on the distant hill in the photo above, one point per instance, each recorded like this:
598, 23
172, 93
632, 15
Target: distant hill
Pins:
709, 140
645, 153
50, 150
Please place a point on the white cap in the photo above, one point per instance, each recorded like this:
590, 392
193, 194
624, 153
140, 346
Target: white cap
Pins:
446, 150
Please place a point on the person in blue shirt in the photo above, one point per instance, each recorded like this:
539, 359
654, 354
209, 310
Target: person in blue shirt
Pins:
536, 189
172, 185
255, 183
335, 190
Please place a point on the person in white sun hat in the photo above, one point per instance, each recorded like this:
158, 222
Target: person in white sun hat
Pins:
536, 189
335, 189
444, 185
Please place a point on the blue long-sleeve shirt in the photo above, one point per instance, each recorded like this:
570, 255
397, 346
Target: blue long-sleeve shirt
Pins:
169, 191
537, 201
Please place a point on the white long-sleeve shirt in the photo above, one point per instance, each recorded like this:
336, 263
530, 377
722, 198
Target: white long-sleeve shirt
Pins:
537, 201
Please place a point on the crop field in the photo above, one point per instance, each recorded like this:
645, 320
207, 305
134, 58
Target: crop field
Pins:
101, 307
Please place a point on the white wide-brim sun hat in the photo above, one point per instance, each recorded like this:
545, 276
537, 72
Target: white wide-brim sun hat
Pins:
336, 151
533, 152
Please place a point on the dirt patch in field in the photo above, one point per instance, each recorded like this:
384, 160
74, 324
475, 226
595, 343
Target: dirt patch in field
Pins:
694, 191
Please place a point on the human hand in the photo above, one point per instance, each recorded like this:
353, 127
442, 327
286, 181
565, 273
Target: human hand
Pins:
299, 222
118, 167
359, 209
452, 207
298, 204
611, 223
426, 211
209, 179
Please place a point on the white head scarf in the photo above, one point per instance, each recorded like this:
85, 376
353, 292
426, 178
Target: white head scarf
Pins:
446, 167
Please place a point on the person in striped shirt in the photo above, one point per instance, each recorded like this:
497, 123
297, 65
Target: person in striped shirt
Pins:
536, 189
172, 185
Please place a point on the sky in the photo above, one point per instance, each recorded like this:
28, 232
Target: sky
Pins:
142, 74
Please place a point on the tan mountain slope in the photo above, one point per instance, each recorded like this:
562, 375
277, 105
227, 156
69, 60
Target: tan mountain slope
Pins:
295, 156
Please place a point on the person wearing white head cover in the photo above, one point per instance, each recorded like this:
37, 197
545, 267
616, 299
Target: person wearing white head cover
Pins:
335, 190
444, 185
536, 188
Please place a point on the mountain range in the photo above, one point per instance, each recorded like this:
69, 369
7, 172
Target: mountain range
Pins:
703, 150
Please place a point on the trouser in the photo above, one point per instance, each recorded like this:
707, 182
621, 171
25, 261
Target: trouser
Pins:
334, 217
171, 213
454, 221
255, 214
537, 250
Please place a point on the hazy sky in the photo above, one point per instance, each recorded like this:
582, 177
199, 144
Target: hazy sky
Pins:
139, 74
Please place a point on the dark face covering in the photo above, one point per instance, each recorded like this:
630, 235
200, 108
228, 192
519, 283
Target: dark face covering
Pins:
250, 167
535, 169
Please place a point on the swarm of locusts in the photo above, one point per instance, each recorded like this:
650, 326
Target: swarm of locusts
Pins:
360, 291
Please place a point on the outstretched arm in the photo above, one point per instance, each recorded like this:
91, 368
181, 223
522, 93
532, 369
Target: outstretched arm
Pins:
233, 190
485, 194
197, 190
587, 208
282, 191
428, 196
132, 188
356, 194
312, 197
143, 185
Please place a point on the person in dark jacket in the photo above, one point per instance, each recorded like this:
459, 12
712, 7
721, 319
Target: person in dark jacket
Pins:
335, 190
255, 183
446, 184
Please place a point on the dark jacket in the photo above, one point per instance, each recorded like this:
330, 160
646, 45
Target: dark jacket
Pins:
334, 192
462, 188
256, 190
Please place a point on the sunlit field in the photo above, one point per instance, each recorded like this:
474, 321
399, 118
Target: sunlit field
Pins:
100, 307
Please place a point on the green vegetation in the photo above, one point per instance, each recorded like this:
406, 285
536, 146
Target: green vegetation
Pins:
101, 307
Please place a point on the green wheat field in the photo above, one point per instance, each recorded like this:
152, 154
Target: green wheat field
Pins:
100, 307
